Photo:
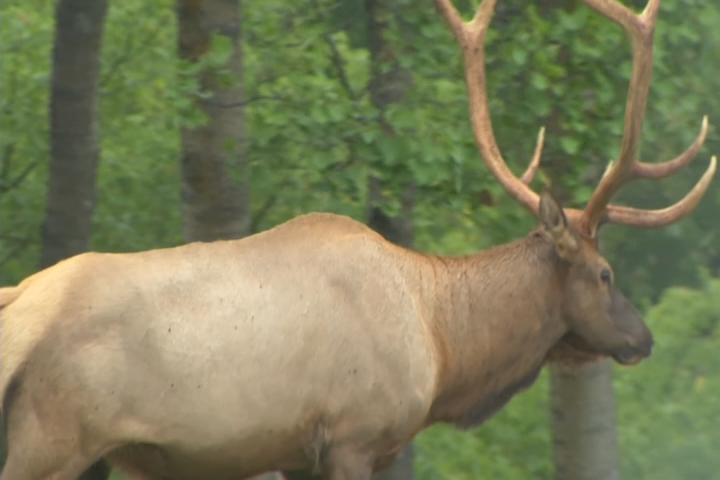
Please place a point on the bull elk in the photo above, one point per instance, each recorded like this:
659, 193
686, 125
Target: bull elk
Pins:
317, 348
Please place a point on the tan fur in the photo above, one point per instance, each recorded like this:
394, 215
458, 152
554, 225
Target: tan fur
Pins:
19, 336
9, 295
315, 346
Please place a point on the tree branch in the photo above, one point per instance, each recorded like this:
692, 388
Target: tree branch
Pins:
4, 188
12, 252
213, 103
339, 65
6, 160
128, 53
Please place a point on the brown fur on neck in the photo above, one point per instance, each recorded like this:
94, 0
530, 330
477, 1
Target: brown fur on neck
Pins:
498, 317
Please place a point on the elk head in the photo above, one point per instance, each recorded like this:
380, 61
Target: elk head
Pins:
599, 319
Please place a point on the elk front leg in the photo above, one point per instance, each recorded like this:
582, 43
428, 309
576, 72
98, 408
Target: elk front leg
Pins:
347, 465
300, 475
337, 465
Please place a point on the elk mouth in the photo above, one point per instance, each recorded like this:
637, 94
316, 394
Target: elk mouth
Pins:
632, 355
629, 360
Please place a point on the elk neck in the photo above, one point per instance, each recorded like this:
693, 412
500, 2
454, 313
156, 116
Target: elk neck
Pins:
496, 315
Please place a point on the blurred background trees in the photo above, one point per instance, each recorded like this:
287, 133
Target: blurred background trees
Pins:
359, 107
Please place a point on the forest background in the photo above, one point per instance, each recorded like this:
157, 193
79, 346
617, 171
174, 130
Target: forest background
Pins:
359, 107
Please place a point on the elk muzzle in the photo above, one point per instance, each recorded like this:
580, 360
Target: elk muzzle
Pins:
638, 338
635, 351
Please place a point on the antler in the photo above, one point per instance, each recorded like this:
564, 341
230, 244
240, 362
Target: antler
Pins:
471, 38
640, 29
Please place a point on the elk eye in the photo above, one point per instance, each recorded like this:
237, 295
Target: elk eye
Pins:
605, 276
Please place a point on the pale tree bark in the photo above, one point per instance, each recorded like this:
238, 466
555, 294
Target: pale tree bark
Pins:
74, 146
583, 420
388, 84
214, 206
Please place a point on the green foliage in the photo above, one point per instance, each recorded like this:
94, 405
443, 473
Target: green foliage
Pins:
187, 89
514, 444
313, 135
25, 41
668, 406
137, 198
138, 176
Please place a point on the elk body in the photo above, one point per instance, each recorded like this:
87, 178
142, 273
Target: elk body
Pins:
318, 348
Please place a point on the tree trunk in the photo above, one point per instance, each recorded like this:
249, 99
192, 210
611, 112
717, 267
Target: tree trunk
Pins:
583, 423
73, 129
213, 205
74, 149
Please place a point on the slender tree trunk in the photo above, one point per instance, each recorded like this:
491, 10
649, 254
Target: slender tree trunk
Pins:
73, 129
214, 205
583, 420
74, 146
389, 81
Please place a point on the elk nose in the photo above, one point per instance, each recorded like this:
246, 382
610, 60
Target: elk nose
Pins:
644, 347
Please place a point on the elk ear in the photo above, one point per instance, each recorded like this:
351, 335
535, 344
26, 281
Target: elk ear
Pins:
553, 219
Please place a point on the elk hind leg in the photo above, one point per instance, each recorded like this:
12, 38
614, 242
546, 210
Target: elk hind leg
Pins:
35, 453
41, 466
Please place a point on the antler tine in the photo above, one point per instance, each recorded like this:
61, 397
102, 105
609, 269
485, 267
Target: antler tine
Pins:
665, 216
471, 39
640, 29
668, 167
532, 167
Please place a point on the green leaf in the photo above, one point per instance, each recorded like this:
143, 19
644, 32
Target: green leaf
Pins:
221, 49
539, 81
570, 145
